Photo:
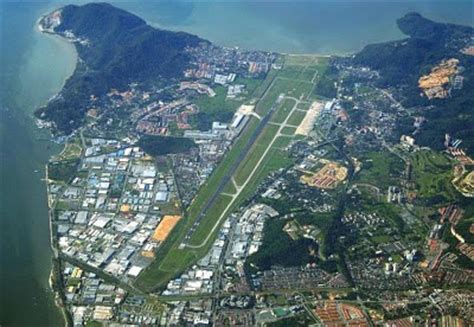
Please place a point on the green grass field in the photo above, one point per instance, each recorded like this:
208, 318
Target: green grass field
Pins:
433, 174
229, 189
289, 87
274, 160
296, 118
282, 111
304, 106
380, 169
218, 103
308, 74
291, 71
282, 141
290, 131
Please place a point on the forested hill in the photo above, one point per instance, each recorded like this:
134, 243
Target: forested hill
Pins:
402, 63
115, 48
405, 60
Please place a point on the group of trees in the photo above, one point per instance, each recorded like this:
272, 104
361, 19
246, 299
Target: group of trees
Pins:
278, 249
162, 145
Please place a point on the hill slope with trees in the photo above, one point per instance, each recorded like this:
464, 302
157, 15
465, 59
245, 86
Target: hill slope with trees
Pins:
119, 48
401, 64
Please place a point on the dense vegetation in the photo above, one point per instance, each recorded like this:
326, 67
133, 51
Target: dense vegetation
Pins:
325, 85
401, 63
62, 170
121, 49
278, 249
161, 145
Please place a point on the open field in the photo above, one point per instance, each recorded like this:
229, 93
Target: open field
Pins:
433, 174
220, 103
296, 118
309, 60
220, 107
206, 225
71, 150
282, 141
283, 110
290, 131
304, 105
264, 156
273, 160
229, 189
380, 169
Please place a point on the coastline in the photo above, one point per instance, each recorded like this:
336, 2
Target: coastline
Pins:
66, 46
55, 274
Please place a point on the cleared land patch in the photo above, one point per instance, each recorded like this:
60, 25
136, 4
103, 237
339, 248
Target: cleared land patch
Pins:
70, 151
465, 184
328, 177
309, 119
165, 227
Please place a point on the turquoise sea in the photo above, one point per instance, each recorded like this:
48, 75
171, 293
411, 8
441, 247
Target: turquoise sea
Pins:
34, 67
